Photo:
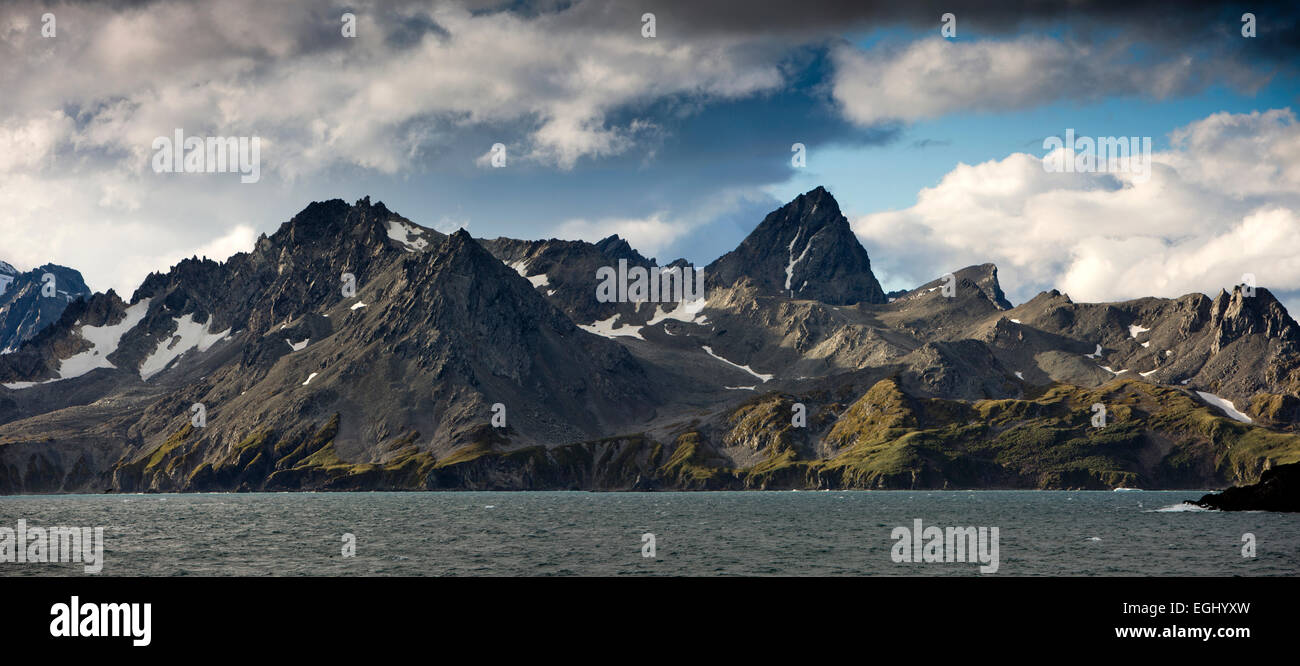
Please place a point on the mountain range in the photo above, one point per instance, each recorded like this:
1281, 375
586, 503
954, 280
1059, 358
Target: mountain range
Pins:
356, 349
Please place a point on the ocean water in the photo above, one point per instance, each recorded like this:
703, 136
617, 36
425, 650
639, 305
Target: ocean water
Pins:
1071, 533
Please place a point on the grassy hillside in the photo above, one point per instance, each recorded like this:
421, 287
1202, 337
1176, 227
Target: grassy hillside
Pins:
1154, 437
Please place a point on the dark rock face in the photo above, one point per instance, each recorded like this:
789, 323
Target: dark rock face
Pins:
26, 304
962, 369
1278, 490
498, 336
566, 272
804, 249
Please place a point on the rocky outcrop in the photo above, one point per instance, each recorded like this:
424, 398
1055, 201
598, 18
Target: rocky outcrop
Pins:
1278, 490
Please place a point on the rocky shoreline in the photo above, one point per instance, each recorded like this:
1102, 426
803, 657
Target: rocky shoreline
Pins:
1278, 490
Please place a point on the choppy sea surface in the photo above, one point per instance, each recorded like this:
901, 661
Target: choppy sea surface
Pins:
835, 533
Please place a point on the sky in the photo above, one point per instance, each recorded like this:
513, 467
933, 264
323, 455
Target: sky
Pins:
933, 142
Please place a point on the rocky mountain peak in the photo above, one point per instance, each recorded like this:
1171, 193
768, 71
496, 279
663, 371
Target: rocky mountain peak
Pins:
460, 248
985, 278
334, 225
803, 250
294, 271
319, 215
1237, 314
612, 242
460, 264
615, 247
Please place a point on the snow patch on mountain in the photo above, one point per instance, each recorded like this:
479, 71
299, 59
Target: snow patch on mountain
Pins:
521, 267
789, 263
103, 340
606, 328
189, 335
411, 237
686, 311
18, 386
1225, 405
746, 368
789, 268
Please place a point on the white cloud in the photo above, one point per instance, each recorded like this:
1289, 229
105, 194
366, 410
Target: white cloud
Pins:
1255, 154
932, 77
75, 143
116, 228
649, 236
679, 235
29, 144
234, 69
238, 239
1222, 202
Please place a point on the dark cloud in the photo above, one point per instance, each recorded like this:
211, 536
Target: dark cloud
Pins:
1158, 23
406, 31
